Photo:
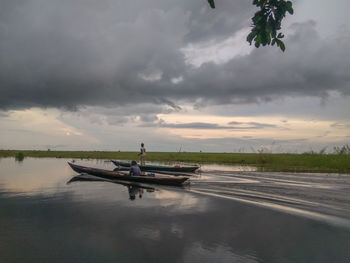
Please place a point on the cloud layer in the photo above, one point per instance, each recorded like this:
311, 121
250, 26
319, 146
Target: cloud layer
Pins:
108, 74
99, 53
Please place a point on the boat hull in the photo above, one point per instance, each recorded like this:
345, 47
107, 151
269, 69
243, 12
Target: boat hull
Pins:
154, 168
162, 180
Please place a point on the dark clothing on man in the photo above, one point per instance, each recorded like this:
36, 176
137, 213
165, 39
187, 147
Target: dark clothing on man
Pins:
135, 170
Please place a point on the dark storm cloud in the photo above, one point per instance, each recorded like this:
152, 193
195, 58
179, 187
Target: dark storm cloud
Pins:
193, 125
310, 67
206, 24
64, 53
119, 115
254, 125
148, 118
340, 125
104, 53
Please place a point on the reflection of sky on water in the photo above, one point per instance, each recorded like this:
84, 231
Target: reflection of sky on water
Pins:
230, 168
49, 174
34, 175
198, 253
50, 221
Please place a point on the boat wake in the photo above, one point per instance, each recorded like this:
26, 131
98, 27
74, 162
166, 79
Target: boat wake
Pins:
322, 197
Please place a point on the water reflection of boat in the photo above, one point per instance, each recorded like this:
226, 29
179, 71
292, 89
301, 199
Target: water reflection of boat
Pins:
88, 177
113, 175
154, 168
134, 189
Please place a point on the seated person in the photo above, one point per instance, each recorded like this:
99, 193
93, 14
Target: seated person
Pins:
134, 169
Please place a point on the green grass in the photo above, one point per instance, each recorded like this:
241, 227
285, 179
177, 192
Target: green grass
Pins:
334, 163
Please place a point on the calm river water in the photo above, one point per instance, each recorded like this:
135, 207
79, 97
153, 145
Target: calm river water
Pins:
226, 214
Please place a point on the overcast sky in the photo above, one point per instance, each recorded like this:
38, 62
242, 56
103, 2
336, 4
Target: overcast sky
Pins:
176, 75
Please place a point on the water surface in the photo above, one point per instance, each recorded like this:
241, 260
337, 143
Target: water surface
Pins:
226, 214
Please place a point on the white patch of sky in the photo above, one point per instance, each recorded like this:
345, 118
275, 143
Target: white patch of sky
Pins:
279, 129
90, 130
40, 129
218, 52
43, 129
151, 77
43, 121
177, 80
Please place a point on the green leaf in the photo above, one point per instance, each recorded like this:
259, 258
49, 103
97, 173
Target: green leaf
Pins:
258, 40
251, 36
268, 39
256, 18
269, 28
211, 3
282, 46
289, 7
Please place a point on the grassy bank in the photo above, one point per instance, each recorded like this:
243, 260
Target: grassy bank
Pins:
333, 163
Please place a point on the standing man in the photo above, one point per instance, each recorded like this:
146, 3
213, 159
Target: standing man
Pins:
142, 154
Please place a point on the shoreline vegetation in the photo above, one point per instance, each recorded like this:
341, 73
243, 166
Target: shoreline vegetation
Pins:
272, 162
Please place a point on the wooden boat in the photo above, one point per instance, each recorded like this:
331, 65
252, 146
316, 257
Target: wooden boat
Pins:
112, 175
155, 168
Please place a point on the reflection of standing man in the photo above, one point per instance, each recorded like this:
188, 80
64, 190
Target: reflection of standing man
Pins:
142, 154
132, 191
